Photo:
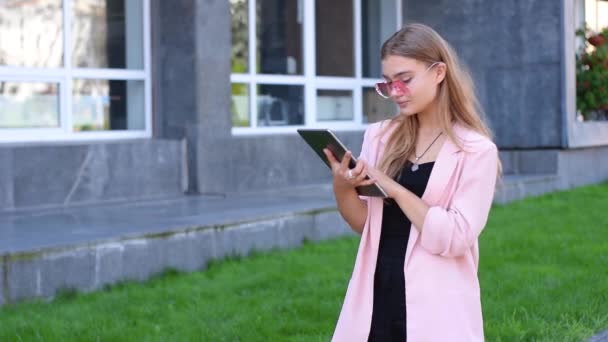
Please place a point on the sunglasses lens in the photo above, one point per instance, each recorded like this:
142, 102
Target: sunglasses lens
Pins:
383, 89
401, 87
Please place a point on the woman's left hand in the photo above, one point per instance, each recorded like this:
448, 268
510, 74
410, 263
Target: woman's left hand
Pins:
390, 186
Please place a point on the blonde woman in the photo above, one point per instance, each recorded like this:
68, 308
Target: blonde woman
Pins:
415, 275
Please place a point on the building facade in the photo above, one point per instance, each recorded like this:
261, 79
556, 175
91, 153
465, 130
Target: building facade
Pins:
110, 100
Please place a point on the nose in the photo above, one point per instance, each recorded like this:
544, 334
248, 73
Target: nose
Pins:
394, 91
398, 88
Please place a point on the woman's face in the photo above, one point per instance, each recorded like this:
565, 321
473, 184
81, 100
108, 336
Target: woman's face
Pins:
416, 85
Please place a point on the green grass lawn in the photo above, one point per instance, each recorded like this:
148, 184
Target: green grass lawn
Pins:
544, 277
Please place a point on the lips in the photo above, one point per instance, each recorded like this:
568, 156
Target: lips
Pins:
403, 103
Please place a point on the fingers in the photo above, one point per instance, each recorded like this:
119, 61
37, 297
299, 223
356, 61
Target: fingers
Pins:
371, 171
359, 167
346, 160
331, 158
356, 176
367, 182
360, 175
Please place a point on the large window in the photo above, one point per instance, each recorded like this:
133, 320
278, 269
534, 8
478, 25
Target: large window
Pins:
74, 69
584, 115
308, 63
591, 17
594, 13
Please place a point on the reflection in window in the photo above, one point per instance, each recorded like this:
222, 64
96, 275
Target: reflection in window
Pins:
29, 105
278, 48
31, 33
376, 108
591, 17
239, 106
107, 34
334, 105
335, 38
108, 105
279, 36
378, 24
240, 36
280, 105
596, 14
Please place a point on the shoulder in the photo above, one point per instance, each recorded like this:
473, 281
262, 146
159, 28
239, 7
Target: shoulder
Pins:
377, 126
473, 142
378, 129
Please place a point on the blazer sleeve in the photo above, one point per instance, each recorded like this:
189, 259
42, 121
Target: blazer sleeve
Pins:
451, 232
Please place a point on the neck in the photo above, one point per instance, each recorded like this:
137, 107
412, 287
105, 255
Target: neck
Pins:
428, 121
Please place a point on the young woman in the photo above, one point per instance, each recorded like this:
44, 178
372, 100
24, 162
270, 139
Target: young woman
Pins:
415, 275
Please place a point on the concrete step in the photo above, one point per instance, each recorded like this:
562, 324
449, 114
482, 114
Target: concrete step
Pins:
516, 187
86, 247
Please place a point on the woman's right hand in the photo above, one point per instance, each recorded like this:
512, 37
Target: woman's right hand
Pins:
345, 177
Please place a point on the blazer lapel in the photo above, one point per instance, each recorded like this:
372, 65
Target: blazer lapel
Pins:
445, 165
382, 134
385, 133
446, 162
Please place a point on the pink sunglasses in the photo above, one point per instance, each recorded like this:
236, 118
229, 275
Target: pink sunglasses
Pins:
385, 89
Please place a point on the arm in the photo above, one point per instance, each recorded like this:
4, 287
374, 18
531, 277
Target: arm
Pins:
450, 232
351, 206
412, 206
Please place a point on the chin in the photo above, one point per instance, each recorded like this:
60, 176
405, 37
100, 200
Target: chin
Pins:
406, 112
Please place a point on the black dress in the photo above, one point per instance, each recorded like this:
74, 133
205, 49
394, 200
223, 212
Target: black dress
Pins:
388, 316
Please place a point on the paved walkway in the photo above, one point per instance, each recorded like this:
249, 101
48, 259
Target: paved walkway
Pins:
602, 337
88, 246
33, 230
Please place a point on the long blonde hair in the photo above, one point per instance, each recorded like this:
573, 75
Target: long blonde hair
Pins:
456, 100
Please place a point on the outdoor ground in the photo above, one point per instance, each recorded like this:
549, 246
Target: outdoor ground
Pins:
544, 277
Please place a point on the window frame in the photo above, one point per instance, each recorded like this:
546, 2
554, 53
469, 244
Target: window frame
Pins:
576, 134
64, 76
309, 80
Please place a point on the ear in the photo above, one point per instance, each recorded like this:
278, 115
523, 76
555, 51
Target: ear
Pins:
440, 72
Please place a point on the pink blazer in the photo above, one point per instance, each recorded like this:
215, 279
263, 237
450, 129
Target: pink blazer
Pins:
442, 289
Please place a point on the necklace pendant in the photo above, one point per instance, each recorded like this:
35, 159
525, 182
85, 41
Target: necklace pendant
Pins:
415, 167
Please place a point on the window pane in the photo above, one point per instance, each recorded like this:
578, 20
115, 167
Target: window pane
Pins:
591, 98
107, 34
29, 105
602, 15
280, 105
590, 12
376, 108
379, 22
32, 33
108, 105
334, 38
279, 36
240, 35
334, 105
596, 14
240, 105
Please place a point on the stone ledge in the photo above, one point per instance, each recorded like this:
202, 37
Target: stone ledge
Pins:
91, 266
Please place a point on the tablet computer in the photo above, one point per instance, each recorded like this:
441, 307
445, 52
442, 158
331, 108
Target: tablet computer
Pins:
319, 139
